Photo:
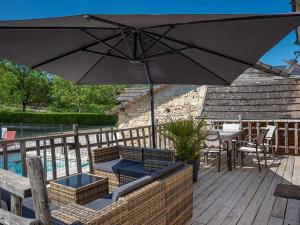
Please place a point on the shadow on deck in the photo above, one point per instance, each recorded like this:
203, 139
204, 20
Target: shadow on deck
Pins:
244, 196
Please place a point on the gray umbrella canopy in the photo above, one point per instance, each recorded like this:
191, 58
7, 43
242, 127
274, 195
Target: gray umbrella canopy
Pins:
154, 49
179, 49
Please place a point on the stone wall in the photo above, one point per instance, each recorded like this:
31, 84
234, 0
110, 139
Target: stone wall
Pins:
173, 100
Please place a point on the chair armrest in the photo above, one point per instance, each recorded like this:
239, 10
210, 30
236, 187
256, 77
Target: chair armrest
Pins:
105, 154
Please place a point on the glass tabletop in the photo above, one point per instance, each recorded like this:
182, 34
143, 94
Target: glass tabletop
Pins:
78, 180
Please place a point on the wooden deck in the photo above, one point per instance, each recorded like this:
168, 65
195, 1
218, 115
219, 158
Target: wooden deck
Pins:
245, 196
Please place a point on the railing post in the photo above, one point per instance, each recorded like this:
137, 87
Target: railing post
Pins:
144, 138
250, 131
38, 147
112, 134
257, 129
23, 158
65, 147
53, 159
138, 137
286, 137
100, 138
296, 139
88, 146
5, 157
131, 138
77, 148
124, 138
39, 189
276, 137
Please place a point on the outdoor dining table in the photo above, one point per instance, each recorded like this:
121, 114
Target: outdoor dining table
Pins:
229, 136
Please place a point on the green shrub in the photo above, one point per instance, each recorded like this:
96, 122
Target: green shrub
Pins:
89, 119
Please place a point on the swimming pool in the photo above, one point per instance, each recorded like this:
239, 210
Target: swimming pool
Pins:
14, 163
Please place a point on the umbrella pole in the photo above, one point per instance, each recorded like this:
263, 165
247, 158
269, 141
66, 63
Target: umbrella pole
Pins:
151, 105
152, 116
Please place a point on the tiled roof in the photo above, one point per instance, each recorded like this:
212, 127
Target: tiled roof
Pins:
131, 94
254, 95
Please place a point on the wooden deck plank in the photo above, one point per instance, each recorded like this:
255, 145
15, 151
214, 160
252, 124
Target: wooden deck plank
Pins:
292, 212
226, 208
223, 176
245, 196
250, 212
265, 209
280, 204
221, 200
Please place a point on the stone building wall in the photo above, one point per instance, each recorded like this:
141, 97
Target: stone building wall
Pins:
172, 100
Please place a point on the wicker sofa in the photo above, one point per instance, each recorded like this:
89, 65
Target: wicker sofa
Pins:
122, 164
164, 195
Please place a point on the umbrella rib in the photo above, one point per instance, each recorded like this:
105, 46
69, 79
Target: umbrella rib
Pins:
203, 49
242, 18
126, 42
102, 20
98, 61
84, 76
51, 28
173, 51
105, 43
192, 60
71, 52
105, 54
161, 37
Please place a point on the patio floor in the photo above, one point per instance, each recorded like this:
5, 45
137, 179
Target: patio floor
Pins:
245, 196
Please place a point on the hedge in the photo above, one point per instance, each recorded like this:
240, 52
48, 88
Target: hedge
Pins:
89, 119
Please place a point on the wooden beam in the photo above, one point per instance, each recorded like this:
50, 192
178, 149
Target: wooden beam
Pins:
39, 189
15, 184
7, 218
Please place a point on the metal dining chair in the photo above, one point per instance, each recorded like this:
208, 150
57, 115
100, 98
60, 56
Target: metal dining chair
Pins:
269, 139
256, 147
213, 145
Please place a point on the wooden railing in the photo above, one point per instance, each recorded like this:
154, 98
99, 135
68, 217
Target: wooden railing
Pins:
286, 137
69, 153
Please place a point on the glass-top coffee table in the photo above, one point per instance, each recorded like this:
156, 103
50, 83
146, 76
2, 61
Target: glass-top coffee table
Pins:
79, 188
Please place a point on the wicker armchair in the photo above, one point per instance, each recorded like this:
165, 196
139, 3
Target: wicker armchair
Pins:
122, 164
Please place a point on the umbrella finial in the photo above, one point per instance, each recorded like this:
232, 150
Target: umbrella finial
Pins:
87, 17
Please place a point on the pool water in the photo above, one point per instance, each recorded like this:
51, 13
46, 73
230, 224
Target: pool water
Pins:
14, 163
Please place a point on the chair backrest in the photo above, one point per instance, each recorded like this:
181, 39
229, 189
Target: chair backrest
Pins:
271, 130
261, 137
9, 135
231, 126
212, 138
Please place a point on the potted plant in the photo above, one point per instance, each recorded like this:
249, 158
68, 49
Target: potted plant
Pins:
187, 137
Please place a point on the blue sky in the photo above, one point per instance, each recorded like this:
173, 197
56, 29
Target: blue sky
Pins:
26, 9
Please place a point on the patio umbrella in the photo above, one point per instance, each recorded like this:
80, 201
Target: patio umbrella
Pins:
136, 49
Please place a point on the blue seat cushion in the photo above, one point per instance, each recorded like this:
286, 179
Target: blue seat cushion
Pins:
136, 170
28, 208
168, 170
130, 187
113, 166
100, 203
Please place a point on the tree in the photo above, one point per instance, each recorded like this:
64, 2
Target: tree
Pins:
21, 85
69, 97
